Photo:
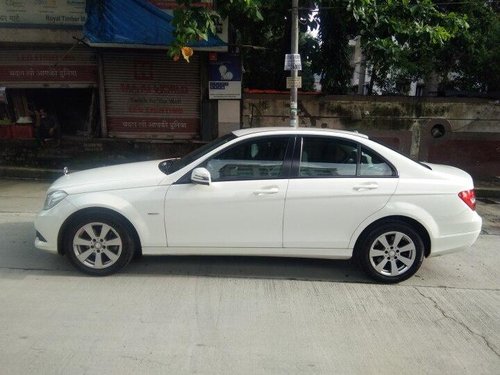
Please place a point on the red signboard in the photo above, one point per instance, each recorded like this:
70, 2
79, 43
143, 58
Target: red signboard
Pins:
48, 73
153, 125
46, 66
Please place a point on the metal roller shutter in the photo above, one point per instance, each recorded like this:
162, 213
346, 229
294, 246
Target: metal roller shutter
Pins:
150, 96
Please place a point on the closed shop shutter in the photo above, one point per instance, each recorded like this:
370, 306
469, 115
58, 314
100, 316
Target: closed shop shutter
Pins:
48, 68
150, 96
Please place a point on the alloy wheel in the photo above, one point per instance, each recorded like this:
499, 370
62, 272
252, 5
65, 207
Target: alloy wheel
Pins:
392, 253
97, 245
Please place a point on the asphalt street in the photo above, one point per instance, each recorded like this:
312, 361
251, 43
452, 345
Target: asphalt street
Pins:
230, 315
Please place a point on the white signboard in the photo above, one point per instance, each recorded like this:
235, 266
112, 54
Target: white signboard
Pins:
224, 90
293, 82
42, 12
292, 62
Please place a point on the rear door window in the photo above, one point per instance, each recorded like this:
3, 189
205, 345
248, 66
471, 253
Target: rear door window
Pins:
323, 157
327, 157
372, 164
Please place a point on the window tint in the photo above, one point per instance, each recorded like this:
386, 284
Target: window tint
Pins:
171, 166
327, 157
254, 159
373, 165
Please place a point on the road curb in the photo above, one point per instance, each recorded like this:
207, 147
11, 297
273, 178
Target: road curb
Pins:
30, 173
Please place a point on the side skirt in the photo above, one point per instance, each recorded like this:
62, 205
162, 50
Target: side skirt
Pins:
250, 251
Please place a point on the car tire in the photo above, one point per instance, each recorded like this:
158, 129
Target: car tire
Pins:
391, 252
99, 244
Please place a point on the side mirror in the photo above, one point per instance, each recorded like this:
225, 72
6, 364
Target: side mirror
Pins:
201, 176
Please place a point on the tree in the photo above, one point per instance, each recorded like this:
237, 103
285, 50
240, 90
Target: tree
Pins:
193, 21
261, 32
263, 51
456, 41
470, 60
402, 40
336, 26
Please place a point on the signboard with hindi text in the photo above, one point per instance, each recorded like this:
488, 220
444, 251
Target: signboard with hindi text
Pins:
42, 13
292, 62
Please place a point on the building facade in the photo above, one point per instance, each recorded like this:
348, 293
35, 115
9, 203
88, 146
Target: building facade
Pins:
101, 70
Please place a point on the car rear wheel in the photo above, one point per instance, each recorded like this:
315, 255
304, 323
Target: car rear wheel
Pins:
391, 252
98, 244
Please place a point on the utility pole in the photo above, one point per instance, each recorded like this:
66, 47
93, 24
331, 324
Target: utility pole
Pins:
294, 118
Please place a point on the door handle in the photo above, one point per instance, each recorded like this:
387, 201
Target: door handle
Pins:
273, 190
370, 186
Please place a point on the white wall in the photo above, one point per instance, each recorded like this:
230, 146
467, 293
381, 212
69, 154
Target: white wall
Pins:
229, 115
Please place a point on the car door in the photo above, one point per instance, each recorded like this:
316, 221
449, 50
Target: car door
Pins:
335, 185
242, 206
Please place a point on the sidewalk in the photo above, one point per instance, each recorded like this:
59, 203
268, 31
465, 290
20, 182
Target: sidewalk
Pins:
484, 189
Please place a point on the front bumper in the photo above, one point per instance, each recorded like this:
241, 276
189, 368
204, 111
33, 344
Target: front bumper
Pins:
48, 223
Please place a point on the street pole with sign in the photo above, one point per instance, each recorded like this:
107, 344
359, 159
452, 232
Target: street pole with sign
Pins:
294, 65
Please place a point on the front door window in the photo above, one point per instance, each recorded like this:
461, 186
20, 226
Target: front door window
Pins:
258, 159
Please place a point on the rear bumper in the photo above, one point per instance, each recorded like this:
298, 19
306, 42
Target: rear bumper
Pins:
459, 241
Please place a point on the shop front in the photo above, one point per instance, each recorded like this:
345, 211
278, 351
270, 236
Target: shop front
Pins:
63, 82
150, 96
147, 94
107, 81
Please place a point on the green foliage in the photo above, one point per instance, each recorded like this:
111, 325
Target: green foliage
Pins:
194, 22
473, 55
402, 40
260, 29
407, 40
336, 26
265, 43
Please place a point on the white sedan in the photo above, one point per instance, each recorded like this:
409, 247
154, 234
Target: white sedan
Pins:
265, 192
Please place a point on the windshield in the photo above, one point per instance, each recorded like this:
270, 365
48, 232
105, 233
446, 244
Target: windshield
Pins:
173, 165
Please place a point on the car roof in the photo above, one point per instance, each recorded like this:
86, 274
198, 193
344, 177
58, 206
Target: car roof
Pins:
290, 130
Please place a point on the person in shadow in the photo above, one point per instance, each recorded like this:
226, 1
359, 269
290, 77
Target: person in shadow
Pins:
46, 126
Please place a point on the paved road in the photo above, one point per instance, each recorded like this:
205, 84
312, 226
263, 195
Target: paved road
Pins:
228, 315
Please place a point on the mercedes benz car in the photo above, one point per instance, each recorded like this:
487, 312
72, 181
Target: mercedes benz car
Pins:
279, 192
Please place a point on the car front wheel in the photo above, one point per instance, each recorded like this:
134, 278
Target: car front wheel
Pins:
391, 252
98, 244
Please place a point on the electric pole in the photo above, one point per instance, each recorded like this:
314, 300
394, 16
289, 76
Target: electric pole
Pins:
294, 118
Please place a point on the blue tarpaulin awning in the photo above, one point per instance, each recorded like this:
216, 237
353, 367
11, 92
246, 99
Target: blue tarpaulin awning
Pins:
133, 22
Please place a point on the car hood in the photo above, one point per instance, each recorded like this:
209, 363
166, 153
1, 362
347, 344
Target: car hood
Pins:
122, 176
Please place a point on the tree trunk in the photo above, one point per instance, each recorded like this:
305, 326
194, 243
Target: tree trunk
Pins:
373, 78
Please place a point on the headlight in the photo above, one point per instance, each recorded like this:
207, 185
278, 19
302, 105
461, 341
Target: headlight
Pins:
54, 198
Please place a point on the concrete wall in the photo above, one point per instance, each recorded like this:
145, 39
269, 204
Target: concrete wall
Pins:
462, 133
372, 112
456, 131
228, 116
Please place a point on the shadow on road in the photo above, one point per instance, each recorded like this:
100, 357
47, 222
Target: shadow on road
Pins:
248, 267
18, 253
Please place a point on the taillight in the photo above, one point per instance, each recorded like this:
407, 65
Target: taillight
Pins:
469, 197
